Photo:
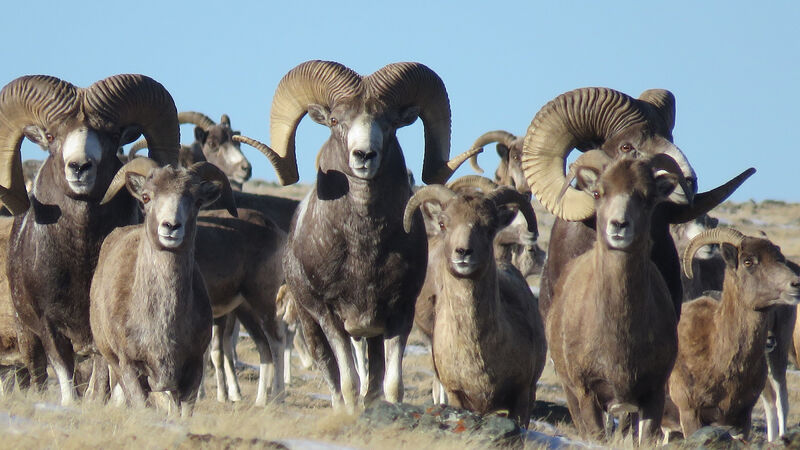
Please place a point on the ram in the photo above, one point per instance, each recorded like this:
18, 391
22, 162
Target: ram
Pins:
56, 236
348, 263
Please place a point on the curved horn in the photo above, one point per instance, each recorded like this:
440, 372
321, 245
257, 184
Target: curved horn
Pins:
143, 166
225, 120
715, 236
312, 82
196, 118
663, 104
501, 136
406, 84
706, 201
31, 100
472, 181
505, 195
271, 155
138, 145
596, 159
209, 172
582, 118
427, 193
663, 161
136, 100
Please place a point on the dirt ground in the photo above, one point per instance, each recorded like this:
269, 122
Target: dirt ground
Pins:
304, 418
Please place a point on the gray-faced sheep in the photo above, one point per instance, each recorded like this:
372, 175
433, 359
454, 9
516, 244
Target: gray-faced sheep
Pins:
349, 263
721, 367
488, 337
612, 325
608, 120
55, 242
150, 312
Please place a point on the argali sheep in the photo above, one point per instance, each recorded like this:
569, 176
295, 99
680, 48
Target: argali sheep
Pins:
349, 264
612, 324
56, 236
150, 312
721, 367
488, 337
608, 120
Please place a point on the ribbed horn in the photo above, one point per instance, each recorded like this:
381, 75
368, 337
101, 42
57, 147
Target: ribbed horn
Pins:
138, 145
427, 193
143, 166
312, 82
472, 181
406, 84
271, 155
209, 172
196, 118
500, 136
706, 201
505, 195
596, 159
663, 105
583, 118
31, 100
126, 100
715, 236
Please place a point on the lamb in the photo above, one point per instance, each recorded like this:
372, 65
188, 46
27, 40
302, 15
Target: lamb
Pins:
721, 369
488, 338
149, 309
612, 324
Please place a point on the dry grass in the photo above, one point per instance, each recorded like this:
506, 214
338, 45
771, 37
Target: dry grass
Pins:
35, 421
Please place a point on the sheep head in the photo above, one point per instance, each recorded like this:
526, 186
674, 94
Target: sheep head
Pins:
509, 148
82, 130
620, 126
625, 191
468, 221
755, 265
363, 114
218, 146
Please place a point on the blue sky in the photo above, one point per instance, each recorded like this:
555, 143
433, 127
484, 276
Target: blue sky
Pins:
733, 66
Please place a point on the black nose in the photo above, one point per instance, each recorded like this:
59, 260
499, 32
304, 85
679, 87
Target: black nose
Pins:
170, 226
795, 284
80, 168
463, 251
620, 225
364, 155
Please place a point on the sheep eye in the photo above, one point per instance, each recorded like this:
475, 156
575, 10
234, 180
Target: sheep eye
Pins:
50, 138
748, 262
441, 225
626, 148
145, 198
334, 121
595, 195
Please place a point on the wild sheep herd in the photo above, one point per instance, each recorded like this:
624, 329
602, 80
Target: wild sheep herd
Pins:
143, 267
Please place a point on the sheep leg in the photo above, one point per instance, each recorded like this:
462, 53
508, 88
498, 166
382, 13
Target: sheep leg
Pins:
288, 337
246, 317
131, 384
228, 342
275, 343
521, 408
650, 414
322, 354
216, 358
590, 414
300, 346
360, 351
7, 376
372, 384
393, 384
187, 387
34, 357
60, 355
690, 422
99, 387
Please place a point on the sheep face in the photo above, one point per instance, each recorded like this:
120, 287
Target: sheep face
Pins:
509, 171
171, 200
467, 226
86, 157
365, 132
219, 149
686, 232
518, 246
758, 266
624, 194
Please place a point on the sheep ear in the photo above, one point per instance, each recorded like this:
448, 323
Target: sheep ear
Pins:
407, 116
431, 211
587, 177
730, 254
666, 183
209, 192
200, 134
505, 216
37, 135
135, 184
502, 151
319, 114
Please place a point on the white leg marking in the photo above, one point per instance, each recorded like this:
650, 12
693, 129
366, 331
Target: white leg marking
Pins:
393, 381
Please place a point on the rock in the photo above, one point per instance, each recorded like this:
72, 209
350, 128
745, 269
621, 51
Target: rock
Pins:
712, 437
